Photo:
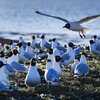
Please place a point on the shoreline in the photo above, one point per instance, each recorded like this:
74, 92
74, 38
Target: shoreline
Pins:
6, 41
70, 88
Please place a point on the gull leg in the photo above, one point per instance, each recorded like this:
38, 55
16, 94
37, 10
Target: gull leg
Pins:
80, 35
82, 32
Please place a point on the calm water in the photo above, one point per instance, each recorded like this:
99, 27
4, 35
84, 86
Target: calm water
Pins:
19, 16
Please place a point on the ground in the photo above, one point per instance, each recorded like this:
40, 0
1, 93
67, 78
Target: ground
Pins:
70, 88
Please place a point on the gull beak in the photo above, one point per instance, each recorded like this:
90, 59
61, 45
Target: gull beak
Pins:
64, 26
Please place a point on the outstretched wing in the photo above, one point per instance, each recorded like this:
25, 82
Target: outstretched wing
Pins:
38, 12
86, 19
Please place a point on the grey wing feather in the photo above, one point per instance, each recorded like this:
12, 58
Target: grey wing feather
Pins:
52, 16
86, 19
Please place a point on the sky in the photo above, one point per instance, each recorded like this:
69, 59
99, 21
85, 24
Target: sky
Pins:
19, 15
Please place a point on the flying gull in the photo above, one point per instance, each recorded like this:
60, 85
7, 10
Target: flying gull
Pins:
74, 26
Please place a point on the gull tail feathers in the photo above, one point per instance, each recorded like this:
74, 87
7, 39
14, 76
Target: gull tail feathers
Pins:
86, 29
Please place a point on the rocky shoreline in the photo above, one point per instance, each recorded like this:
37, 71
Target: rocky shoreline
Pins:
6, 41
70, 88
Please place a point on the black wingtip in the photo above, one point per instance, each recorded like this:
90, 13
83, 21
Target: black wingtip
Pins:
37, 12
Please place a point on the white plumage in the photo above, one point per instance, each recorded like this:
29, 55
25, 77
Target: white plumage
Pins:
74, 26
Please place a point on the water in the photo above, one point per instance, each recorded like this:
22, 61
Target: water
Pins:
19, 16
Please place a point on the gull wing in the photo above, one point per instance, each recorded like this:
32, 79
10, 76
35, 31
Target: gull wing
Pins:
86, 19
38, 12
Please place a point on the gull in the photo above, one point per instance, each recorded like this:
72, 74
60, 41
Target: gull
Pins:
74, 26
